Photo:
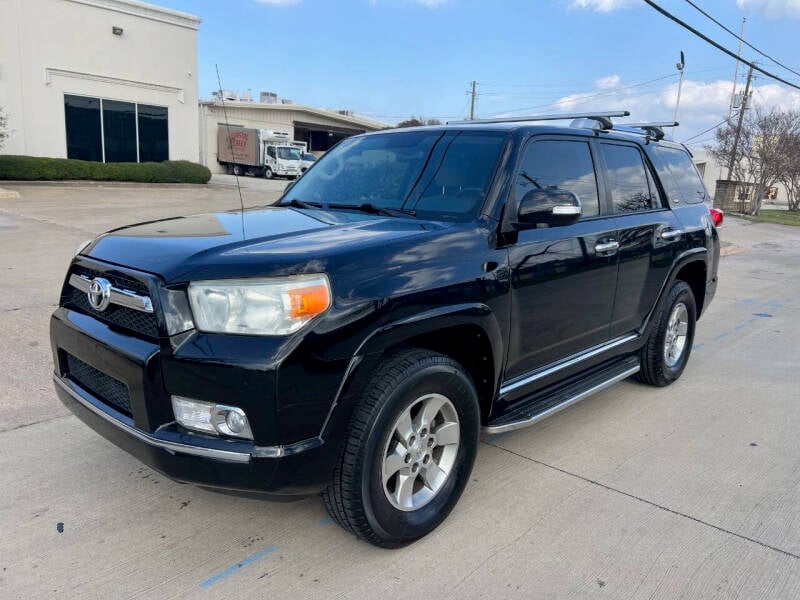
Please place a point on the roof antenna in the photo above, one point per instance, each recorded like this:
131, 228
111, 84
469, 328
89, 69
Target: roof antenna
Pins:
230, 143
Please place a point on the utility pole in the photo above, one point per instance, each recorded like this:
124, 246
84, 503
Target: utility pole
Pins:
742, 108
472, 103
680, 67
736, 73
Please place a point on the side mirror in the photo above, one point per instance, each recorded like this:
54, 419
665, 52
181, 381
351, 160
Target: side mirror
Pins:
290, 185
552, 207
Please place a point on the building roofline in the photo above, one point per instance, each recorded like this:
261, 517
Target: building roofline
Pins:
321, 112
146, 11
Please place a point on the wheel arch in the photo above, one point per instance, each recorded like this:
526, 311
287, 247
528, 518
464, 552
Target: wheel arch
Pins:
691, 267
468, 333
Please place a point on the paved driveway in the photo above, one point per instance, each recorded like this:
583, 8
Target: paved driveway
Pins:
688, 491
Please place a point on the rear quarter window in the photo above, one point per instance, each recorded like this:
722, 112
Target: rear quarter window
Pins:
679, 176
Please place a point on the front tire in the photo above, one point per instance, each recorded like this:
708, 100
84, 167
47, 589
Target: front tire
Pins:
268, 174
409, 451
666, 352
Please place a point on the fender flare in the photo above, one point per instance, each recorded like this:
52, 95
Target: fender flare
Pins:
687, 257
395, 333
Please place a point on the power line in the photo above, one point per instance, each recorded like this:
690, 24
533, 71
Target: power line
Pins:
721, 123
745, 42
718, 46
612, 92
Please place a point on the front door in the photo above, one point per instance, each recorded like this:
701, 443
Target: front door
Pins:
563, 278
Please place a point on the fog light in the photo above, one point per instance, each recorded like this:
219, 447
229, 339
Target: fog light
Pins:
230, 420
214, 419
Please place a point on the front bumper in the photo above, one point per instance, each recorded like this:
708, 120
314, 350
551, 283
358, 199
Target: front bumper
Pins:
148, 431
189, 458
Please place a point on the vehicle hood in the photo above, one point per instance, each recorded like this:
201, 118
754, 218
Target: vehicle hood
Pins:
269, 241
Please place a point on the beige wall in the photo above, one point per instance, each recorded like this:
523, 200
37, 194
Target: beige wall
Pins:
711, 171
49, 48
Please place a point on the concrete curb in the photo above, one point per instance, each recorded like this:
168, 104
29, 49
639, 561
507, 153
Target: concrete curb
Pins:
8, 194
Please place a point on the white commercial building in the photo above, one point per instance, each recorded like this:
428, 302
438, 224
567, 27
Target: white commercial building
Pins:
105, 80
318, 128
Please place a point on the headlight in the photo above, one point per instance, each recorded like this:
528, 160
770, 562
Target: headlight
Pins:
276, 306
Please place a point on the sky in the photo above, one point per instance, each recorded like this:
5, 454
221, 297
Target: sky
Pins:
391, 59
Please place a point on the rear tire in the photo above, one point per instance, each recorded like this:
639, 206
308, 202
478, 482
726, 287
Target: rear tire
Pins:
237, 170
409, 450
667, 350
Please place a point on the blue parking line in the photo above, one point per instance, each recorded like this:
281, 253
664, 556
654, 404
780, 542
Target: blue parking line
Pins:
231, 570
325, 521
721, 335
697, 346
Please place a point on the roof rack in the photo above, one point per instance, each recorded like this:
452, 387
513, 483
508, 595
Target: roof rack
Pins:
654, 130
604, 118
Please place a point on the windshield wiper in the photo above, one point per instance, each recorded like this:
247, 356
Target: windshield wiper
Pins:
297, 203
374, 209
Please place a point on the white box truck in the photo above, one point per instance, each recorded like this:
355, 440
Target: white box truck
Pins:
261, 152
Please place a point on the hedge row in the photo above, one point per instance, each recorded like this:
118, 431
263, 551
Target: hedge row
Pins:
37, 168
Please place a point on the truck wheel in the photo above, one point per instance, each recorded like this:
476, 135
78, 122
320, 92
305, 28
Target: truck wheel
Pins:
268, 174
237, 170
409, 451
667, 350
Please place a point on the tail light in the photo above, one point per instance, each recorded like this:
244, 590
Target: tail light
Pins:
717, 215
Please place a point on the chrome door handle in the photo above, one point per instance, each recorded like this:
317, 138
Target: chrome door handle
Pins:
607, 248
671, 234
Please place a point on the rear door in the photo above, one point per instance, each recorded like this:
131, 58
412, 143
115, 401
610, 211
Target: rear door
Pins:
649, 235
564, 277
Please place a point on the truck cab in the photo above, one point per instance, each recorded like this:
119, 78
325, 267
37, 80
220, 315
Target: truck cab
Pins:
282, 160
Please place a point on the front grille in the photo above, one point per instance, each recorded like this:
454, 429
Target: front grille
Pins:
130, 320
104, 387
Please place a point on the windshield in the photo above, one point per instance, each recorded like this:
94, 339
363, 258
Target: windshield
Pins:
310, 157
438, 175
286, 153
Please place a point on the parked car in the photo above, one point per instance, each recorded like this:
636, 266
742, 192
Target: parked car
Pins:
413, 289
306, 160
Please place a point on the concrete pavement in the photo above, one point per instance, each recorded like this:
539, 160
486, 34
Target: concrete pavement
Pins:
688, 491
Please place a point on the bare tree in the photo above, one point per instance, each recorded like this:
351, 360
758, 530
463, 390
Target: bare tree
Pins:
417, 121
757, 160
3, 127
790, 164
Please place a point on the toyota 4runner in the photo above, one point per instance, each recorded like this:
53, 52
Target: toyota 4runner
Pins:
412, 289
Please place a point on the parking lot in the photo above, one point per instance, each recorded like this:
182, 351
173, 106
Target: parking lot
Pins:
690, 491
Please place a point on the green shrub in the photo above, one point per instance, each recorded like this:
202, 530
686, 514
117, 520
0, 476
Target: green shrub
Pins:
37, 168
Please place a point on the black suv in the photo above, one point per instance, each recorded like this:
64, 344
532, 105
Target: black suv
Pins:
413, 289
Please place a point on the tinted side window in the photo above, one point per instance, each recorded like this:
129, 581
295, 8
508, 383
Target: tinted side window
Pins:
628, 179
683, 174
562, 165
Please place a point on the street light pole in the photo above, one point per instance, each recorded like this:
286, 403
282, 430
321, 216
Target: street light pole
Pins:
680, 67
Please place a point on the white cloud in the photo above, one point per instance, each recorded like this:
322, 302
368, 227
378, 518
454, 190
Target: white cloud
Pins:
604, 5
279, 2
774, 9
703, 104
606, 83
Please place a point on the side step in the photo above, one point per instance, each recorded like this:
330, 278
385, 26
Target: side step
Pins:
551, 400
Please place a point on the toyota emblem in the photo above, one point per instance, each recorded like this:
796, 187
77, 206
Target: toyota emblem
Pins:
99, 293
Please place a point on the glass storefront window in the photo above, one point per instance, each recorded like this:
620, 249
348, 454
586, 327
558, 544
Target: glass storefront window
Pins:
119, 131
153, 133
82, 116
108, 130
